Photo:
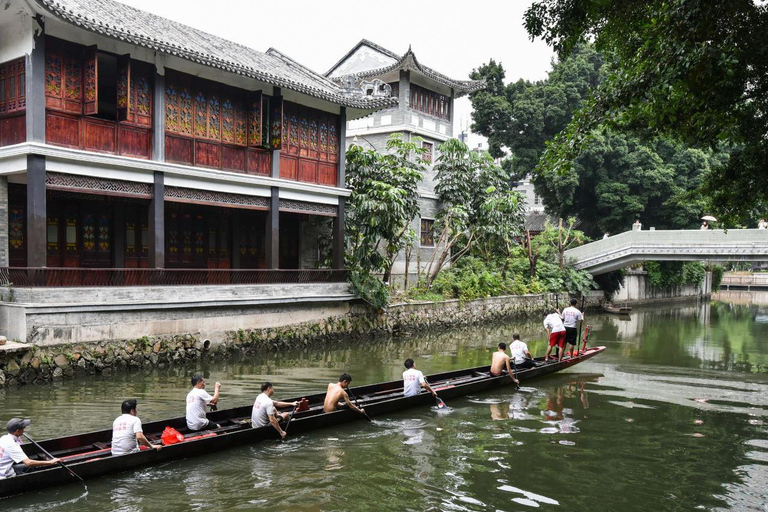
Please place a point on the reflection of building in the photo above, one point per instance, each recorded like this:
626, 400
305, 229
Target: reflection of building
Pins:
425, 110
145, 143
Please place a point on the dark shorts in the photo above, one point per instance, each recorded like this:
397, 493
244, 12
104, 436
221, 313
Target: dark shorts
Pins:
571, 333
527, 363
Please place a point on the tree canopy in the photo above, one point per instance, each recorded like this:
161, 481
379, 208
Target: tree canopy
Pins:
692, 70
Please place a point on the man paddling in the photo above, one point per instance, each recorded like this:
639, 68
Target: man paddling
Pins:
13, 460
571, 318
127, 434
413, 380
499, 361
520, 354
338, 392
197, 399
264, 411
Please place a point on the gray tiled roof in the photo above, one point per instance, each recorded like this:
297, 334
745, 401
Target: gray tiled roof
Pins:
141, 28
461, 86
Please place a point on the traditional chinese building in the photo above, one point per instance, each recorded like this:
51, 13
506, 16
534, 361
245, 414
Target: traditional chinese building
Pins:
425, 110
129, 141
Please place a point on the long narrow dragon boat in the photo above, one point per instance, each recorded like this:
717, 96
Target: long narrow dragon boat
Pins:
89, 454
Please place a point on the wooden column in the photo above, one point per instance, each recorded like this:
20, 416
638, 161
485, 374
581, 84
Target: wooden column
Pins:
35, 86
36, 212
157, 223
234, 240
342, 148
158, 119
4, 229
273, 230
338, 247
119, 231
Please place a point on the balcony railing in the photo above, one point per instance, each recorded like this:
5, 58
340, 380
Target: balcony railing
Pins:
100, 277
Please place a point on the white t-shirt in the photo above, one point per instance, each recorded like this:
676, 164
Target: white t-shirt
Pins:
197, 399
571, 316
10, 454
412, 381
124, 430
554, 322
263, 409
518, 350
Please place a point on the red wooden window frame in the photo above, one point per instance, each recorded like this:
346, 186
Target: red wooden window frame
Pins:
430, 102
13, 87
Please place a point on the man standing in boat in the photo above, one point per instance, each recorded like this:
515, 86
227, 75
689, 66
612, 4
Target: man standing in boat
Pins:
13, 460
338, 392
499, 361
197, 399
264, 411
127, 433
413, 380
553, 323
571, 318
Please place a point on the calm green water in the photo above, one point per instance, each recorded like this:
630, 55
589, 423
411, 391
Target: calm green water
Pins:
672, 417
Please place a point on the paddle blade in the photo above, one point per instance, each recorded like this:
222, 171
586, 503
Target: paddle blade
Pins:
440, 403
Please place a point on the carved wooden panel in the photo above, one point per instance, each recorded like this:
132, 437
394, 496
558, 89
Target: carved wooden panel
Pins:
90, 81
178, 103
135, 142
276, 121
102, 186
13, 95
100, 136
233, 159
179, 150
327, 210
140, 111
62, 129
197, 196
63, 76
289, 167
255, 110
307, 170
327, 174
259, 162
207, 154
13, 130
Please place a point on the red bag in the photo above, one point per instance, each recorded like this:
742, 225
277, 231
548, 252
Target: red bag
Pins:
171, 436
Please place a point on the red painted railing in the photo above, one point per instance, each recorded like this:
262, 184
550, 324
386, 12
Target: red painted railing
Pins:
86, 277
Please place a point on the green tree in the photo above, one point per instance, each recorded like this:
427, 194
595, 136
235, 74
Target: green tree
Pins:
383, 202
693, 70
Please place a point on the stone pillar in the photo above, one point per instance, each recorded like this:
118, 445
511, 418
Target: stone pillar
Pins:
341, 177
4, 233
338, 246
157, 223
35, 85
273, 230
404, 88
36, 212
158, 119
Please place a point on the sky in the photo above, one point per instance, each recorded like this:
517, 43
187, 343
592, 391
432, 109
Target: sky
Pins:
449, 36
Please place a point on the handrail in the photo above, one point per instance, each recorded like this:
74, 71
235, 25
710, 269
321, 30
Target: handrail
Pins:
108, 277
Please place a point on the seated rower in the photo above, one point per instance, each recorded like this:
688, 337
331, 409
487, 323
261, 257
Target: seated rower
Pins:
337, 392
499, 361
197, 399
13, 460
264, 411
127, 433
520, 355
413, 380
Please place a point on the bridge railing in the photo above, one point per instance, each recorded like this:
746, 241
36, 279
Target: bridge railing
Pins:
681, 239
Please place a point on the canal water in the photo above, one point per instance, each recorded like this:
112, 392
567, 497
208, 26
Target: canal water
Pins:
671, 417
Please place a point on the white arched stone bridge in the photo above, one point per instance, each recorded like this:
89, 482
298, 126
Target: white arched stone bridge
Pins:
634, 247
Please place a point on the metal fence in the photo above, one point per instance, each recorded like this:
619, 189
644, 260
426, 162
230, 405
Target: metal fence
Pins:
101, 277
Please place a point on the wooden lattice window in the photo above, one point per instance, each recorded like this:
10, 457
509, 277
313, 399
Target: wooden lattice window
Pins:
430, 102
13, 94
427, 233
63, 77
428, 154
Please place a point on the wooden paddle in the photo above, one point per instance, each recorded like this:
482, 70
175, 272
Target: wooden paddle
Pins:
438, 400
43, 450
288, 423
581, 323
354, 399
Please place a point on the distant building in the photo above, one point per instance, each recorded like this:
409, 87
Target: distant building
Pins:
425, 110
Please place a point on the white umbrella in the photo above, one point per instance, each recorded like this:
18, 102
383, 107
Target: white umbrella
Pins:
709, 218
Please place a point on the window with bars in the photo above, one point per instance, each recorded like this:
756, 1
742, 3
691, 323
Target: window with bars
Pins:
430, 102
427, 232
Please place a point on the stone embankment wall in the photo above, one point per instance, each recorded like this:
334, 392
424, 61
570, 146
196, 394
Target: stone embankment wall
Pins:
26, 364
637, 290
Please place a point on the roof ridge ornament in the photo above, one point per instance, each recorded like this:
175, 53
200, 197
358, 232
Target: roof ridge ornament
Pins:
352, 86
